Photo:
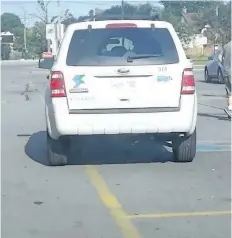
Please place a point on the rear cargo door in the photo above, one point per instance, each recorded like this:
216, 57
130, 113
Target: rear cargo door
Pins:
123, 67
149, 87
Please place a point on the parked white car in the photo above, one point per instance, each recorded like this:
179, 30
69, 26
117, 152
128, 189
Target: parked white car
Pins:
121, 77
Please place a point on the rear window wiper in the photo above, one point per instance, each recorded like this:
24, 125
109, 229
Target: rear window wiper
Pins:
131, 58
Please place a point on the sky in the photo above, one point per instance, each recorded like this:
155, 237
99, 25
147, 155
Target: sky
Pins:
77, 8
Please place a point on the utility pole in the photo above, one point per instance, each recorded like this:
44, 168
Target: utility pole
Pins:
59, 22
122, 8
47, 23
25, 32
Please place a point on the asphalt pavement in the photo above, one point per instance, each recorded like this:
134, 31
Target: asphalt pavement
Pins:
115, 186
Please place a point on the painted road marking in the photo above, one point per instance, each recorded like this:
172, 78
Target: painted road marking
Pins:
208, 151
212, 147
213, 142
110, 201
205, 98
184, 214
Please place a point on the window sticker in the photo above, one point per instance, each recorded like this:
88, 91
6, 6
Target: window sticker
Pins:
164, 78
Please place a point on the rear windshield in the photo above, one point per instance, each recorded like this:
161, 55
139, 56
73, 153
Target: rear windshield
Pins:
121, 46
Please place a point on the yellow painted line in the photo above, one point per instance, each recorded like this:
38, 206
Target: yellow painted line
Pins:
184, 214
110, 201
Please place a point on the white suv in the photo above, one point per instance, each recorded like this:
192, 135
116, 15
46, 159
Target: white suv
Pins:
121, 77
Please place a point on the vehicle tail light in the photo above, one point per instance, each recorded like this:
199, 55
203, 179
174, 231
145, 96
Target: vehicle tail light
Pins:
57, 84
121, 25
188, 82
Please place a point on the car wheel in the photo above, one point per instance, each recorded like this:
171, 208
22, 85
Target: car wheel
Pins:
207, 77
220, 77
57, 151
184, 148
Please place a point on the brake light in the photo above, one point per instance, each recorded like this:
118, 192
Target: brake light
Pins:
188, 82
47, 55
121, 25
57, 84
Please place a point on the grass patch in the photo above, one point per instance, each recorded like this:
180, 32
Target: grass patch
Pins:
199, 62
202, 60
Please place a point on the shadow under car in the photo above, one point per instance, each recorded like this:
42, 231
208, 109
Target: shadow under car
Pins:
104, 149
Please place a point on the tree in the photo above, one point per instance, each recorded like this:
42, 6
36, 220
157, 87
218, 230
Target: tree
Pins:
176, 7
192, 12
5, 51
143, 11
68, 18
148, 10
43, 16
224, 16
43, 8
217, 16
12, 23
37, 38
43, 11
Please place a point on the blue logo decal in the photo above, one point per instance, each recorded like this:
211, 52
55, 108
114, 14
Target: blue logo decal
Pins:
164, 78
78, 79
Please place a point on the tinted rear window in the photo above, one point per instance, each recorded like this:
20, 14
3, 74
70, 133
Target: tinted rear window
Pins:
113, 46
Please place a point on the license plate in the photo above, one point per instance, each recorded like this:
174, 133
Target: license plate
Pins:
123, 83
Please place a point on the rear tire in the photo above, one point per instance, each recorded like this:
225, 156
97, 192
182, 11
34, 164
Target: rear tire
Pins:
207, 77
57, 151
184, 148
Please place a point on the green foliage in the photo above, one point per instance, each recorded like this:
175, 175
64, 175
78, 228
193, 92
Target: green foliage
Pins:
176, 7
220, 25
143, 11
68, 18
37, 38
172, 11
43, 13
12, 23
5, 51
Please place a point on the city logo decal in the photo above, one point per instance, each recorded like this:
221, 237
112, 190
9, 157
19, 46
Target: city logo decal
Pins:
78, 79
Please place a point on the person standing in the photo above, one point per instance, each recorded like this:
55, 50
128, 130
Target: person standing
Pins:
226, 62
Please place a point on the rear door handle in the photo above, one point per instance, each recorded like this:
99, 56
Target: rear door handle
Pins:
124, 99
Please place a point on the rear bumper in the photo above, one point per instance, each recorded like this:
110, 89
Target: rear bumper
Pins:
60, 122
123, 111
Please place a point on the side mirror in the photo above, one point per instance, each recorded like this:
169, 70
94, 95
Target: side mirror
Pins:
46, 63
210, 58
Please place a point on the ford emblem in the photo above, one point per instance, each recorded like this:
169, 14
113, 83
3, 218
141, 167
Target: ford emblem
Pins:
123, 71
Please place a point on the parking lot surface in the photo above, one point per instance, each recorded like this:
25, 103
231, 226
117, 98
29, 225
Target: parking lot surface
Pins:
115, 186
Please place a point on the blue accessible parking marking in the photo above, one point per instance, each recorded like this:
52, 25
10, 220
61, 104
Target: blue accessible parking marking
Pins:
208, 147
